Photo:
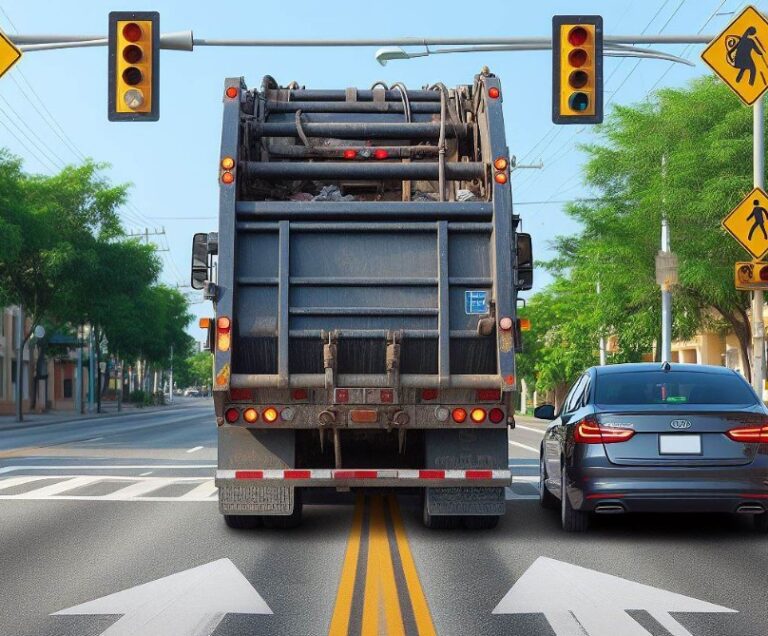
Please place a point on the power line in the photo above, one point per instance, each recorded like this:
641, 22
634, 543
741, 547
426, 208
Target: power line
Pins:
29, 128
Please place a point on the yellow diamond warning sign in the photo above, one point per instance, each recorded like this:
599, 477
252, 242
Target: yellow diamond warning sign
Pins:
738, 55
748, 223
9, 54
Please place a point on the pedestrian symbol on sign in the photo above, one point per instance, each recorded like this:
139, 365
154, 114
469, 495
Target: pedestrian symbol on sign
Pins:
739, 54
748, 223
759, 214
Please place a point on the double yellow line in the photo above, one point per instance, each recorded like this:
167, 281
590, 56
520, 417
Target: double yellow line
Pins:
380, 595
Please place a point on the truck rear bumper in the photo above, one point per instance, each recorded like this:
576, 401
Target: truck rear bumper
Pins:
381, 477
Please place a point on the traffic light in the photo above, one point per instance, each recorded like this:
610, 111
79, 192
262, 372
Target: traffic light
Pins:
751, 275
134, 66
577, 69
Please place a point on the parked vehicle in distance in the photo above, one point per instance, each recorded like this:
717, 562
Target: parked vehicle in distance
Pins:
656, 438
192, 392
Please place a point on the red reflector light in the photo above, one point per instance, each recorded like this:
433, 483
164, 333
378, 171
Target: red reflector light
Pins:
606, 495
494, 92
240, 394
479, 474
387, 396
380, 153
577, 36
364, 416
477, 415
749, 434
350, 154
132, 32
429, 394
496, 415
232, 415
299, 394
589, 432
355, 474
270, 414
459, 415
431, 474
342, 396
249, 474
296, 474
232, 92
488, 395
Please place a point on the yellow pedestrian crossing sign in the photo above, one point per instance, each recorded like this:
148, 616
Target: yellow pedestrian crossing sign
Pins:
9, 54
748, 222
739, 55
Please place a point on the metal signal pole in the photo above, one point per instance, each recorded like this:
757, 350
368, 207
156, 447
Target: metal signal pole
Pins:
758, 327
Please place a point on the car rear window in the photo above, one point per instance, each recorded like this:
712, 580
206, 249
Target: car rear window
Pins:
672, 387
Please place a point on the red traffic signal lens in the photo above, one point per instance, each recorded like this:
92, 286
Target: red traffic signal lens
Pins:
132, 54
132, 32
578, 79
577, 58
132, 76
577, 36
764, 273
578, 102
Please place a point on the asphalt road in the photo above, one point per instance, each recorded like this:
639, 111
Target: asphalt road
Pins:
91, 508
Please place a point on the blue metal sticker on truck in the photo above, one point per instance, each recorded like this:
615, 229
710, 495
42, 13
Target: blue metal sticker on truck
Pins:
476, 302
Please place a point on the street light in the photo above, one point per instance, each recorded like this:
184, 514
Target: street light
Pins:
387, 53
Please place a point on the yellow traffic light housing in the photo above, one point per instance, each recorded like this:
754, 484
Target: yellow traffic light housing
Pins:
749, 275
577, 69
134, 66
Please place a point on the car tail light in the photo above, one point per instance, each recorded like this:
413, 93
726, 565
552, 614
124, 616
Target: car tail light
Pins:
749, 434
250, 415
495, 415
429, 394
299, 394
231, 415
488, 395
588, 431
270, 414
223, 335
459, 415
477, 415
237, 395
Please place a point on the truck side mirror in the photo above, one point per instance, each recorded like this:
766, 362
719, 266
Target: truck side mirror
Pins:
524, 269
199, 260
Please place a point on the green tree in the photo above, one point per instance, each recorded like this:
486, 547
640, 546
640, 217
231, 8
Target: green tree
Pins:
194, 370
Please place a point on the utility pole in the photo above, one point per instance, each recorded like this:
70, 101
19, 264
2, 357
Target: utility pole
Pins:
20, 366
170, 380
91, 371
79, 371
758, 327
666, 273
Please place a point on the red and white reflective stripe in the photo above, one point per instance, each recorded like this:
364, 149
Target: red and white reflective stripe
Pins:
429, 474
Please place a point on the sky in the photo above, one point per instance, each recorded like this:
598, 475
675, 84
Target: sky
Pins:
53, 104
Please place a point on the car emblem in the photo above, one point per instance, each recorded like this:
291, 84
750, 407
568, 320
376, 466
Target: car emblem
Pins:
680, 424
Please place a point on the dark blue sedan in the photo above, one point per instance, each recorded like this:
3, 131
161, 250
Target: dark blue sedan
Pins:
656, 438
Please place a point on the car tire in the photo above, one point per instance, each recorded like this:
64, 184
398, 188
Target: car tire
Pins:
284, 522
761, 523
480, 522
242, 522
437, 522
572, 520
546, 499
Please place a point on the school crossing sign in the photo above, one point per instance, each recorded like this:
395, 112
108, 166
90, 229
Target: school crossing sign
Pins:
748, 223
739, 55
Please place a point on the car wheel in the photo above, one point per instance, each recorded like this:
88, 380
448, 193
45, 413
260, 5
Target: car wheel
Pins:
481, 522
761, 523
242, 522
546, 498
293, 520
572, 520
437, 522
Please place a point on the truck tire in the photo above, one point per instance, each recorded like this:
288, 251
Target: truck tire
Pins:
546, 499
438, 522
481, 522
242, 522
572, 520
284, 522
761, 523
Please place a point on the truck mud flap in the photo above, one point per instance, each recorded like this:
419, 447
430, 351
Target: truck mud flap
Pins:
466, 449
248, 498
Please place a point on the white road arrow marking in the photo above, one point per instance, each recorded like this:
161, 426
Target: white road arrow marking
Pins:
581, 602
189, 603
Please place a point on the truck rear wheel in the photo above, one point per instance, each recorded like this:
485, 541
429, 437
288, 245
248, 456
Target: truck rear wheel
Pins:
242, 522
438, 522
481, 522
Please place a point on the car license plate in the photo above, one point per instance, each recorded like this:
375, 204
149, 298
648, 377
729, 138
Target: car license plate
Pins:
680, 444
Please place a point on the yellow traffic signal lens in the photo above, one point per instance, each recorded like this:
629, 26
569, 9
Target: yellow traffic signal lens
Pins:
132, 54
577, 36
134, 98
132, 32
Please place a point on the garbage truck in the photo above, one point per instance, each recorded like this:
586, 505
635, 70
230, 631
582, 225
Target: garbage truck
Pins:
365, 278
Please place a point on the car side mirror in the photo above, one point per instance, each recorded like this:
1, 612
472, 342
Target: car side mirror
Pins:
199, 260
544, 412
524, 269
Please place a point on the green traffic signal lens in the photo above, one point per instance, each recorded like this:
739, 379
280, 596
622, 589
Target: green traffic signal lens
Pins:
132, 76
578, 102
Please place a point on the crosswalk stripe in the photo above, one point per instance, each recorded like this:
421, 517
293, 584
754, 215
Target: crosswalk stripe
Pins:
136, 490
203, 491
18, 481
60, 487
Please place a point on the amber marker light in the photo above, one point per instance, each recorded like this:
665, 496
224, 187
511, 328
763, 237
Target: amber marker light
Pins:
270, 414
501, 163
227, 163
227, 178
232, 92
250, 415
477, 415
500, 178
494, 93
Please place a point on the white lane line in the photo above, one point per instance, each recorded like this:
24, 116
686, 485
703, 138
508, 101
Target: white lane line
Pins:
60, 487
135, 490
195, 449
525, 479
149, 472
202, 492
529, 428
91, 439
9, 469
524, 446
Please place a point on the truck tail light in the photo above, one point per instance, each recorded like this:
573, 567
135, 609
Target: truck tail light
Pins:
380, 153
477, 415
239, 395
341, 396
488, 395
386, 396
588, 431
231, 415
459, 415
270, 414
349, 153
495, 415
232, 92
250, 415
428, 394
494, 93
299, 394
749, 434
223, 333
